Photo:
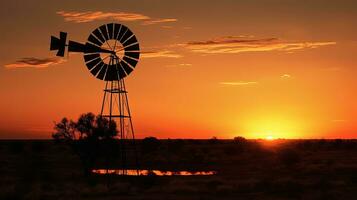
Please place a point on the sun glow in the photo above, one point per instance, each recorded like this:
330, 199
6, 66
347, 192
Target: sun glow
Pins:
269, 137
272, 127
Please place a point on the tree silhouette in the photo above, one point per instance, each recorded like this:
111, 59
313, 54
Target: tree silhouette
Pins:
88, 126
64, 130
104, 128
85, 125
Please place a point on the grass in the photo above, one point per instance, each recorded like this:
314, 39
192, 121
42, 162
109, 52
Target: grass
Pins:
252, 169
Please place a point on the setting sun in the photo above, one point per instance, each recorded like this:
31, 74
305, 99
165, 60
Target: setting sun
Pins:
269, 137
272, 126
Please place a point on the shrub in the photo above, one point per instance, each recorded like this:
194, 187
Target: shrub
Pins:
239, 139
213, 140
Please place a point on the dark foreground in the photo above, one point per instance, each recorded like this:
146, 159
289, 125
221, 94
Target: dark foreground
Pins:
304, 169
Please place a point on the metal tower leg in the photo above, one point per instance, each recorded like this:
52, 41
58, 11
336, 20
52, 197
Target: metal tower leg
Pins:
119, 111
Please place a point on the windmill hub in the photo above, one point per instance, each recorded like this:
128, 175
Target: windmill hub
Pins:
116, 48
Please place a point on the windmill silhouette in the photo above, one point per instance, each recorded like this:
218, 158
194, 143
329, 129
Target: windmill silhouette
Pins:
110, 54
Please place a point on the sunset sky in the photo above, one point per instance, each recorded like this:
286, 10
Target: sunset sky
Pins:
252, 68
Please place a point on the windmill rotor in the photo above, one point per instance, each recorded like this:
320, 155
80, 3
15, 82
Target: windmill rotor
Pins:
110, 53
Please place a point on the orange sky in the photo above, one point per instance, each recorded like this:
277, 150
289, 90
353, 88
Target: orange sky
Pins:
253, 68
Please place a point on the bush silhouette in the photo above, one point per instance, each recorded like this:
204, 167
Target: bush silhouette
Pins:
239, 139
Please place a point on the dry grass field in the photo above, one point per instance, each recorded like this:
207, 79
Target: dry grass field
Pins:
246, 169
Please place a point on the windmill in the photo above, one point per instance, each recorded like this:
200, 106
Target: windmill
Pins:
110, 54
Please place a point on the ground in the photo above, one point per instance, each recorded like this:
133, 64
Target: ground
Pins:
246, 169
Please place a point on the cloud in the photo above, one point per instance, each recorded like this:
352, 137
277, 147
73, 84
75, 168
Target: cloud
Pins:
157, 21
81, 17
34, 62
180, 65
89, 16
239, 44
167, 27
159, 54
239, 83
285, 76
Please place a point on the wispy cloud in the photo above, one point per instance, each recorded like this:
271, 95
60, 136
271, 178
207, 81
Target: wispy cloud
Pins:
285, 76
159, 54
89, 16
239, 83
157, 21
81, 17
167, 27
239, 44
180, 65
34, 62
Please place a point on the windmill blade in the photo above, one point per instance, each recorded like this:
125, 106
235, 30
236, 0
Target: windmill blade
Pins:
102, 72
94, 40
111, 73
97, 68
89, 57
117, 28
120, 71
122, 32
104, 31
110, 28
130, 41
93, 63
134, 47
99, 35
127, 34
132, 54
126, 67
130, 61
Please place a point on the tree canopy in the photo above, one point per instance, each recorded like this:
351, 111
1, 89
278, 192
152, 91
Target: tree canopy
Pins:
88, 126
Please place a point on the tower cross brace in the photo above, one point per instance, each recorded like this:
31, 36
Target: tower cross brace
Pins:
115, 106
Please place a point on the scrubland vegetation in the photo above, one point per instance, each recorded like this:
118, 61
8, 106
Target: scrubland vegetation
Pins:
246, 169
